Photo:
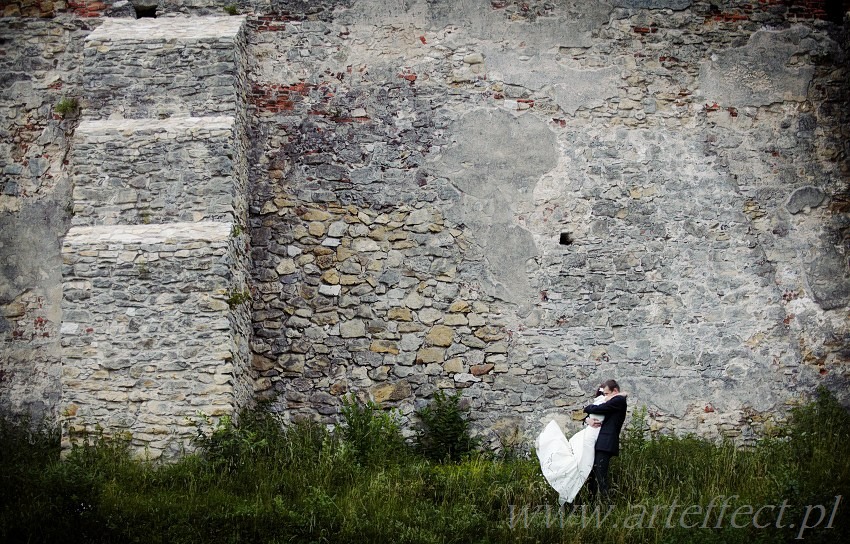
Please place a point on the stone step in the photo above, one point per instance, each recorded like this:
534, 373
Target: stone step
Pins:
190, 66
154, 330
138, 171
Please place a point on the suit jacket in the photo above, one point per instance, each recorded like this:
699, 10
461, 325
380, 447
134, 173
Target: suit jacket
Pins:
614, 411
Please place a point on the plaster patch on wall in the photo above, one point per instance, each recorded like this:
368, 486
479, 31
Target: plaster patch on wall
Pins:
758, 73
586, 88
571, 27
405, 12
28, 240
570, 88
653, 4
30, 291
495, 164
804, 198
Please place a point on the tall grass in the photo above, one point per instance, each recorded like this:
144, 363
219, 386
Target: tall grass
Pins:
258, 482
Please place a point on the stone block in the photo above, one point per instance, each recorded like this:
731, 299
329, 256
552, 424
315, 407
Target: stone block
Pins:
354, 328
430, 355
164, 67
110, 337
384, 346
454, 365
391, 391
440, 335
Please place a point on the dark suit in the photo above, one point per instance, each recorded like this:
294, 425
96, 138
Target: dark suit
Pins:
608, 442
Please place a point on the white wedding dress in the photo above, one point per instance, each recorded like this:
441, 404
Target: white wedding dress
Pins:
567, 463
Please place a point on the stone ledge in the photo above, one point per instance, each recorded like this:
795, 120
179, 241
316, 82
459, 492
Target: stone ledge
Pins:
151, 332
171, 126
159, 68
144, 171
205, 231
176, 29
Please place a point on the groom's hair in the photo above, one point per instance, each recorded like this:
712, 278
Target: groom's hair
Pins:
612, 385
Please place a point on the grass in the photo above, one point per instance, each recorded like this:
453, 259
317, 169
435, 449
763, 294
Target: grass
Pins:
260, 483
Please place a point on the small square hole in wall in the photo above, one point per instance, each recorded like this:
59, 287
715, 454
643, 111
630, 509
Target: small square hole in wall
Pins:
566, 239
145, 11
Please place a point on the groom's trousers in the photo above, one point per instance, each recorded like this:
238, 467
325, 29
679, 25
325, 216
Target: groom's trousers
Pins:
598, 481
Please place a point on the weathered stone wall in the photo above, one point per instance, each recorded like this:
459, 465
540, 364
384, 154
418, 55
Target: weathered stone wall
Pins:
138, 73
38, 68
149, 331
155, 322
179, 169
519, 200
511, 199
124, 8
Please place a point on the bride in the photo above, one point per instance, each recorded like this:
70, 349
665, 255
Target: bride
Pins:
567, 463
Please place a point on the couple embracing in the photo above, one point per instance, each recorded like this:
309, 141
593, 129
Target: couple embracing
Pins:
566, 464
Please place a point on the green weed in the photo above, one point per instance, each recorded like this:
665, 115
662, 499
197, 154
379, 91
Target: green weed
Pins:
235, 298
444, 432
67, 107
374, 435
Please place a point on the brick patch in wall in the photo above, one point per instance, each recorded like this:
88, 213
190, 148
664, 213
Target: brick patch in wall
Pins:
269, 23
86, 8
276, 98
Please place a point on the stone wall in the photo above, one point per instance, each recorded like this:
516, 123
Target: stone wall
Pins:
39, 68
136, 72
156, 171
151, 331
519, 200
124, 8
514, 200
155, 322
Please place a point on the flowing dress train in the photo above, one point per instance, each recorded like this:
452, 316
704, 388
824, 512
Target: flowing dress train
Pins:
566, 464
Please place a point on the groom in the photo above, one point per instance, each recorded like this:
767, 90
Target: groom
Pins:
608, 443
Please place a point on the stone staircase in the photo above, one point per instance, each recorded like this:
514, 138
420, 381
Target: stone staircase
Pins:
156, 323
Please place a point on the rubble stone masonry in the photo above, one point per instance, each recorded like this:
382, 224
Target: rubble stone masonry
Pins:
512, 200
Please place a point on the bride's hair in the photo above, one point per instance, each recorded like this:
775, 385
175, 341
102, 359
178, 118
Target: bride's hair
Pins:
611, 384
597, 390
